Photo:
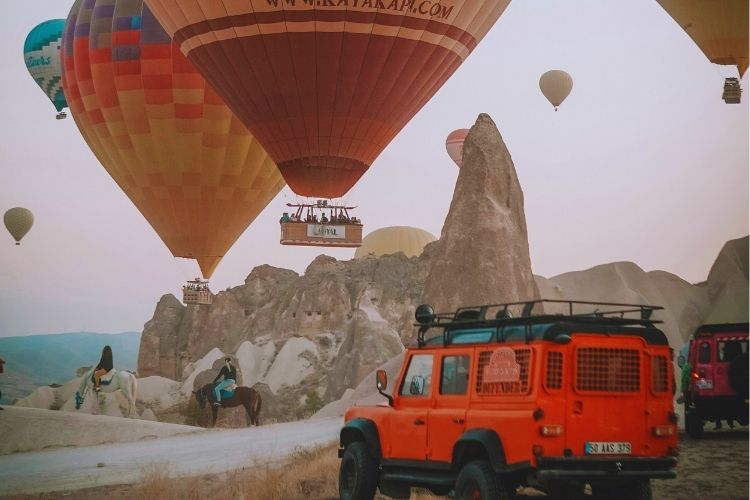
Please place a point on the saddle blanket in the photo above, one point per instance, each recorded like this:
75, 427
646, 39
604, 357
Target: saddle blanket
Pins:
228, 392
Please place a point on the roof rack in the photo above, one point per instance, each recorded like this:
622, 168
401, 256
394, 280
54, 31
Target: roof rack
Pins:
532, 312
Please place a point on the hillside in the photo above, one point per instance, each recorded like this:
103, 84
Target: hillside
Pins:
35, 360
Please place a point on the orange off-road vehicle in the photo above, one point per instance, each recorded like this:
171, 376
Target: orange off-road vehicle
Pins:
562, 396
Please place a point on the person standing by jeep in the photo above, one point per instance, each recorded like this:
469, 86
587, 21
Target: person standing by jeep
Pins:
229, 372
2, 362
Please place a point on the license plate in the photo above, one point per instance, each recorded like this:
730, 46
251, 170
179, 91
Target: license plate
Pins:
704, 384
607, 448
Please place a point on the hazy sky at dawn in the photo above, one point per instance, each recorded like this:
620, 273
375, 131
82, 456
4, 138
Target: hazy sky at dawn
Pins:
644, 162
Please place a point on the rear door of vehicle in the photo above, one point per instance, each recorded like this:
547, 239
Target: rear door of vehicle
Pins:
606, 399
447, 418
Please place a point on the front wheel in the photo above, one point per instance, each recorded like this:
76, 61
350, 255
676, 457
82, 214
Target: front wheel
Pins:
477, 481
358, 473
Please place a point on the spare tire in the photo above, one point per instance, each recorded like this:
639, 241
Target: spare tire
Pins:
738, 375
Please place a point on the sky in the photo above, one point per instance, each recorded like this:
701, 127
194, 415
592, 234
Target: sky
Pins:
643, 162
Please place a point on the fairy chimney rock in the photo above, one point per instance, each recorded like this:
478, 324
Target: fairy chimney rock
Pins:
482, 256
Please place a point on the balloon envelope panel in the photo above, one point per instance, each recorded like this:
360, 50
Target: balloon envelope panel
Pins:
326, 87
187, 163
718, 27
41, 52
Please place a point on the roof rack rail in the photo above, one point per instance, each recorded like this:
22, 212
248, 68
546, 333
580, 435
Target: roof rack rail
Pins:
534, 312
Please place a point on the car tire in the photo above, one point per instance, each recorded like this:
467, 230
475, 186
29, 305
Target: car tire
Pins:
358, 473
637, 490
478, 480
693, 424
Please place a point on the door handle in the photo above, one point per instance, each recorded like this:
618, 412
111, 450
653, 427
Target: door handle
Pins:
419, 421
458, 420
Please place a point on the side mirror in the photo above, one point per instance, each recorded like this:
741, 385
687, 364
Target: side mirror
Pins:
381, 380
680, 360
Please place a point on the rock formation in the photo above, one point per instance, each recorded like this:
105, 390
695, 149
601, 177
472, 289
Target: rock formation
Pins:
727, 284
482, 256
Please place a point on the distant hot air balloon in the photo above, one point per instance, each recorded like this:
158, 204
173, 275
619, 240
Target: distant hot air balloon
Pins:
720, 29
556, 86
387, 240
454, 144
325, 86
41, 51
18, 221
187, 163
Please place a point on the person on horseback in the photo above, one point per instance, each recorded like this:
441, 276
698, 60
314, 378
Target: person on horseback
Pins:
229, 372
105, 366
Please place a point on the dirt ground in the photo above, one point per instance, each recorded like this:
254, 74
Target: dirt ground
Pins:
715, 467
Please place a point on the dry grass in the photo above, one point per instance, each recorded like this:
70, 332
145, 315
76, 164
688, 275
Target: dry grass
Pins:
308, 474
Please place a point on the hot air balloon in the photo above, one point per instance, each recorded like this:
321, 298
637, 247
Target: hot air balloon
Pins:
18, 221
187, 163
325, 86
388, 240
720, 29
41, 51
556, 86
454, 144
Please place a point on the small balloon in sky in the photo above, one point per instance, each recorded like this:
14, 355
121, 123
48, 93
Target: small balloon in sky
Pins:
556, 85
454, 144
18, 221
41, 52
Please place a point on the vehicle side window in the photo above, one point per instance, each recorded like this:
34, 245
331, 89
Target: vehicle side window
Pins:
418, 380
454, 377
728, 350
704, 352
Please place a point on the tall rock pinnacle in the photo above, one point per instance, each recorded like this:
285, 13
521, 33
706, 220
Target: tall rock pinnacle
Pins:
482, 256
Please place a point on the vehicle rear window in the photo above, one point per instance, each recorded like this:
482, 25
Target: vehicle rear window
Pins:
554, 370
704, 352
503, 370
472, 336
455, 375
418, 378
605, 369
728, 349
659, 376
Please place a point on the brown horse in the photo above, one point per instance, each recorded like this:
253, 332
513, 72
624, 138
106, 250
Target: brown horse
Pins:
245, 396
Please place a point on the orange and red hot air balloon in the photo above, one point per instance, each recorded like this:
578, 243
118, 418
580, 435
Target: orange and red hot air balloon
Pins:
187, 163
454, 144
326, 86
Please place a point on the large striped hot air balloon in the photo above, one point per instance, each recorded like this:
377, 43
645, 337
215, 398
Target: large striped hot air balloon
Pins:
187, 163
41, 52
325, 86
720, 29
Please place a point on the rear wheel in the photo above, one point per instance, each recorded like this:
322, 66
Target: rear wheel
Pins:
693, 424
477, 481
358, 474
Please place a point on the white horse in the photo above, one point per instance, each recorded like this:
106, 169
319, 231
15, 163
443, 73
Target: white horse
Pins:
121, 380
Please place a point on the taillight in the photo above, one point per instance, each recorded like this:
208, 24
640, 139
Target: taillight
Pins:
663, 430
551, 430
696, 376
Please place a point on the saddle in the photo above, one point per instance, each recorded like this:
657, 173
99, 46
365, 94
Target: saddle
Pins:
228, 392
106, 379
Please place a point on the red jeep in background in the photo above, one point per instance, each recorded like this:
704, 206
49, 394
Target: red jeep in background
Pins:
716, 376
577, 396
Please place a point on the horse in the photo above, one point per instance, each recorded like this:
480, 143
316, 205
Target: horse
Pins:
121, 380
245, 396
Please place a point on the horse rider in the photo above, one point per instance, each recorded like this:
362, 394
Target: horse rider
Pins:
105, 366
229, 372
